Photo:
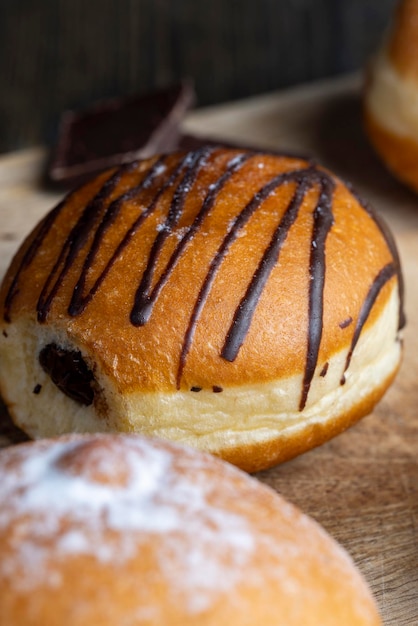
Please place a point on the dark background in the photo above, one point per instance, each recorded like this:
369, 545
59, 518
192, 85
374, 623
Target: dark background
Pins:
57, 54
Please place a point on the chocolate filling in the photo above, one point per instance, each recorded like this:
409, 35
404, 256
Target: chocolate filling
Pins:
69, 372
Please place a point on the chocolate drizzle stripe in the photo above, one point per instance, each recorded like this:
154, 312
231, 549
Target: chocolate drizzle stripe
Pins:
79, 299
73, 244
395, 256
44, 229
246, 309
385, 274
391, 244
143, 303
147, 301
323, 220
237, 224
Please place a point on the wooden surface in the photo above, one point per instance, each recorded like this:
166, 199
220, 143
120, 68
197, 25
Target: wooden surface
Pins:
58, 54
363, 486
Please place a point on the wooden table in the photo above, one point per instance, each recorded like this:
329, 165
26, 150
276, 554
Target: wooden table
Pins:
362, 486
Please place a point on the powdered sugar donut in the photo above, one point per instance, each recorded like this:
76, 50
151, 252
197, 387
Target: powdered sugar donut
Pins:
109, 529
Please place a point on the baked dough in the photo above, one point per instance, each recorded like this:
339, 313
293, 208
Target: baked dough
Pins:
124, 530
391, 96
247, 304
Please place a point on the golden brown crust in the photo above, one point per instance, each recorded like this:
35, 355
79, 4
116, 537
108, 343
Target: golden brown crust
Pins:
276, 343
400, 152
234, 553
288, 445
246, 304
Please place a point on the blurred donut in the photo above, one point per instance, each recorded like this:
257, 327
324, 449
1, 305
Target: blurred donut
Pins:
391, 96
109, 529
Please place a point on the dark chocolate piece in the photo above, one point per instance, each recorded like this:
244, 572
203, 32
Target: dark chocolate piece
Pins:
69, 372
117, 131
385, 274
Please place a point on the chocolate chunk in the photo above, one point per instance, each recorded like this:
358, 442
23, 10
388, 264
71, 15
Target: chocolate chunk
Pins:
118, 131
324, 370
345, 323
69, 372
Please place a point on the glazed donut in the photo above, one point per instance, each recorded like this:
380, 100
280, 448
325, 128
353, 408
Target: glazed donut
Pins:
391, 96
120, 529
248, 304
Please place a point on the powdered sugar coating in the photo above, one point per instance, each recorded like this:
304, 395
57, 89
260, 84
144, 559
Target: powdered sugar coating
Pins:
211, 529
151, 497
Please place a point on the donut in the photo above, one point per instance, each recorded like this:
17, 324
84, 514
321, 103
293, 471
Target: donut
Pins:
243, 303
122, 529
391, 96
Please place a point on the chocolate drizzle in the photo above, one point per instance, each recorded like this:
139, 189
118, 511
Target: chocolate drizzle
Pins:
144, 301
323, 220
74, 243
246, 309
391, 244
87, 235
80, 299
234, 229
43, 229
385, 274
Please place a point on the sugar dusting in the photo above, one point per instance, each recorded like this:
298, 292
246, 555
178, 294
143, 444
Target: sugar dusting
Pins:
107, 497
204, 548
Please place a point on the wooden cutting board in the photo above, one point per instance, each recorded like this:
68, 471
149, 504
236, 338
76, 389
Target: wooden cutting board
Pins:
362, 486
